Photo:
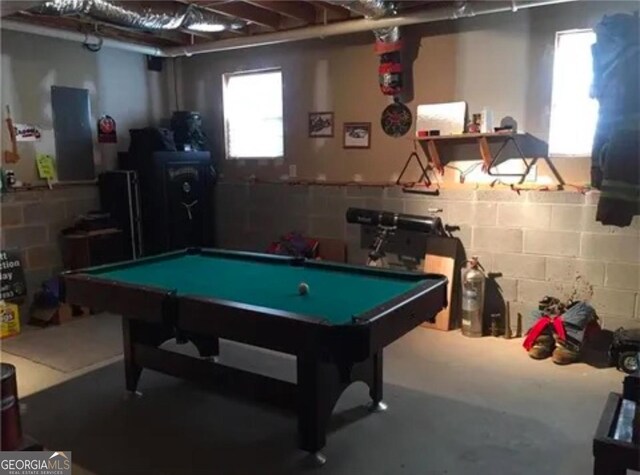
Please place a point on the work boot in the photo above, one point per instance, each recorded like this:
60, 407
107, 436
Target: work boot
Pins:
564, 355
542, 347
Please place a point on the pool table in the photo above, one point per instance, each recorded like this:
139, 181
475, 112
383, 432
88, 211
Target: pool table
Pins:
337, 330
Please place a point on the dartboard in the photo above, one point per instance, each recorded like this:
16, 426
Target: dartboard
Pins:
396, 119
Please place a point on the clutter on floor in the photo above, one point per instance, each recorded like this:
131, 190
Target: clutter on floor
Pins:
48, 308
560, 329
624, 351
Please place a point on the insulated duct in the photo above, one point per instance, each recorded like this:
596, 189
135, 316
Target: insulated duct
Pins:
31, 29
161, 16
388, 43
439, 13
374, 10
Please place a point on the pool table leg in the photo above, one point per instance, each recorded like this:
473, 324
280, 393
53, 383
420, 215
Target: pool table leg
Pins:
137, 332
318, 383
132, 371
375, 384
208, 347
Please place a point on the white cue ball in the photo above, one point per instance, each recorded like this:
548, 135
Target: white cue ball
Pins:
303, 288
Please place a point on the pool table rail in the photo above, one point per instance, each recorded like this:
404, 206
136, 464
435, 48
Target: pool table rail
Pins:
270, 328
142, 302
292, 333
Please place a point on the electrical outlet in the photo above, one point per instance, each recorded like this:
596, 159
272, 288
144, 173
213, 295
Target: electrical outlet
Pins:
293, 171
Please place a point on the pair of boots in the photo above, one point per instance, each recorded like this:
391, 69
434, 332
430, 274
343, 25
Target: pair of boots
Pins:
550, 345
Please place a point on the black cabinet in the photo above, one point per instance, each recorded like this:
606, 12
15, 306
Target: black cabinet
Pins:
120, 197
177, 195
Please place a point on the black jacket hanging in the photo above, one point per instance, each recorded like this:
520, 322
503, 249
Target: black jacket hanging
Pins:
616, 148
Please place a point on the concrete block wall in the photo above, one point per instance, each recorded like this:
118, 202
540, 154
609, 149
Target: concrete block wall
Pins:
540, 243
31, 221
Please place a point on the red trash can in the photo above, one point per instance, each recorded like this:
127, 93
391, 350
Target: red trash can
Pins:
10, 417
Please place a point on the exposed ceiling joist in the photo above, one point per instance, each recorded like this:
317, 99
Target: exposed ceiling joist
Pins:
293, 9
286, 17
244, 11
336, 12
9, 7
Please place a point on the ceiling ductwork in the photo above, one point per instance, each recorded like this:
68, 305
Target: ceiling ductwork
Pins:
441, 13
374, 10
171, 16
447, 11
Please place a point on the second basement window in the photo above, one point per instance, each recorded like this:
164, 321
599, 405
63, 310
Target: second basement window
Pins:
573, 112
252, 102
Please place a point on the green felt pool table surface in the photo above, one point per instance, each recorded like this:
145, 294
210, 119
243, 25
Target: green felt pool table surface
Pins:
335, 295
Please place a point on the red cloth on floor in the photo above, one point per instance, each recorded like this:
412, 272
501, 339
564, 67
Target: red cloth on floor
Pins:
546, 320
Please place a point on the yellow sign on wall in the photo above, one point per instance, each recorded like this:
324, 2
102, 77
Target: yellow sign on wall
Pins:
46, 166
9, 319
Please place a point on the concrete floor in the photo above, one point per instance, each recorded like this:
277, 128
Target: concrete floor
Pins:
457, 406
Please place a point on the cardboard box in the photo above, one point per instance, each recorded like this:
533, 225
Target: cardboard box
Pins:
9, 319
443, 257
334, 250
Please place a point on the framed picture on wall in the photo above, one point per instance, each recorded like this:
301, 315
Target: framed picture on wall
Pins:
357, 135
320, 124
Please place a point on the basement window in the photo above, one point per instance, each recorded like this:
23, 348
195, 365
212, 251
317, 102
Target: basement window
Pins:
252, 103
573, 112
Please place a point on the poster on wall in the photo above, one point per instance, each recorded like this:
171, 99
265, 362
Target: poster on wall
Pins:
46, 166
27, 132
13, 283
107, 130
357, 135
320, 124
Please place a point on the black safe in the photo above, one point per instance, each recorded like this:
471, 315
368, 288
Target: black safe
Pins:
177, 194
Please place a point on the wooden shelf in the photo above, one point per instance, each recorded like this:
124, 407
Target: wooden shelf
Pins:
472, 137
523, 145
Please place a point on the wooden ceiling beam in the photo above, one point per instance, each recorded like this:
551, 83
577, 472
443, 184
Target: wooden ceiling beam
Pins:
293, 9
243, 11
9, 7
334, 12
411, 5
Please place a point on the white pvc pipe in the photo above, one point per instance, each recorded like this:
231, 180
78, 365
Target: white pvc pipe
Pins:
80, 37
355, 26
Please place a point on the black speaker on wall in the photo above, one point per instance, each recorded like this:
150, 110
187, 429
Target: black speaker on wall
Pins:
155, 63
